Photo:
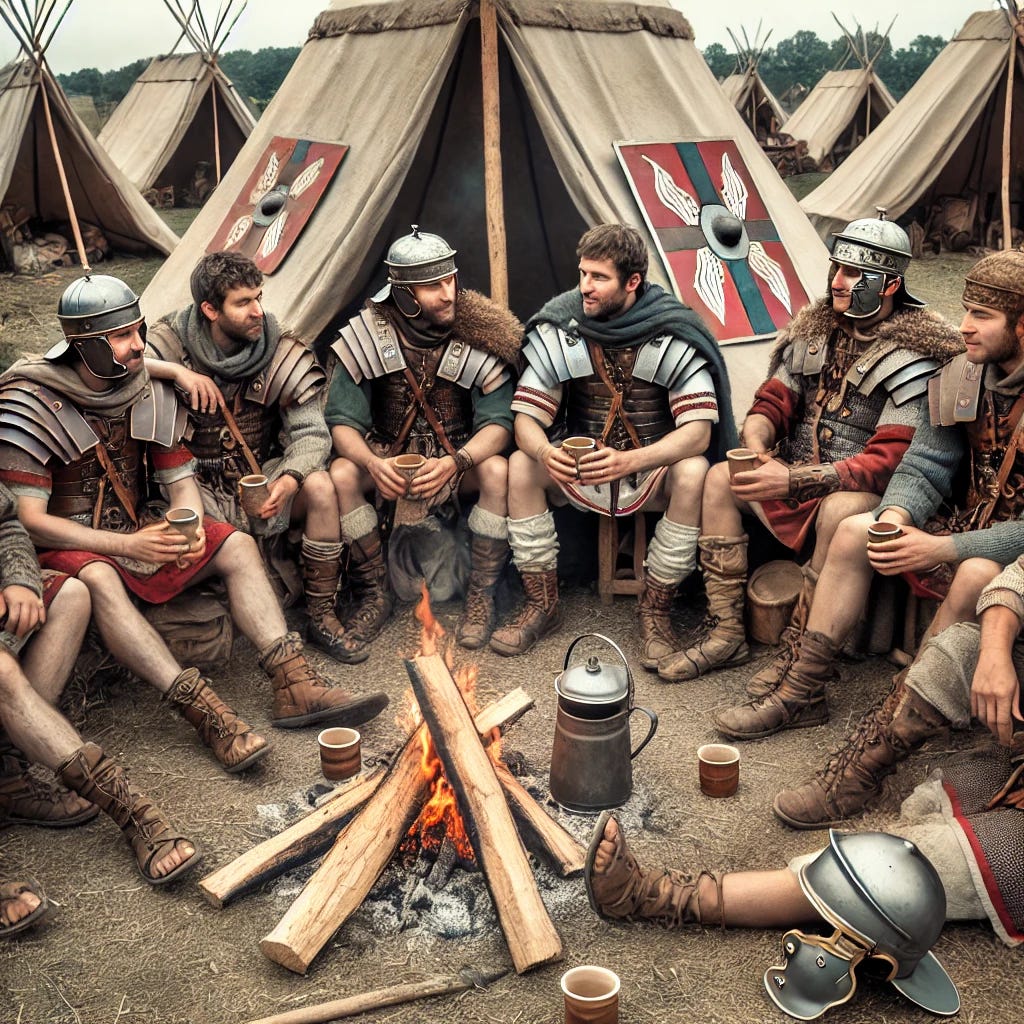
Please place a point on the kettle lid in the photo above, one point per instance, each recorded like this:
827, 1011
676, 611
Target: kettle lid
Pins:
595, 682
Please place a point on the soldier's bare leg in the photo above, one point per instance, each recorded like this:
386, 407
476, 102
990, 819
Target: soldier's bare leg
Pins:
961, 603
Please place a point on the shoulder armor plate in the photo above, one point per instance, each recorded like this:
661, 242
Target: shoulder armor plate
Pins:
468, 367
158, 416
667, 361
954, 393
42, 423
806, 356
903, 374
368, 346
557, 356
292, 377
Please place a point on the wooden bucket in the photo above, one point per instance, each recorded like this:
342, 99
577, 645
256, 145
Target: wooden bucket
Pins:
772, 593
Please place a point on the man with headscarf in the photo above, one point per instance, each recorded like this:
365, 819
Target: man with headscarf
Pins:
639, 376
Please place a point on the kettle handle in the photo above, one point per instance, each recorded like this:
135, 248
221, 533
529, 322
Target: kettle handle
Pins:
618, 650
650, 732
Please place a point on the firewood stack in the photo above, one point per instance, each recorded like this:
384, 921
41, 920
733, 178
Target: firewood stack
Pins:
488, 798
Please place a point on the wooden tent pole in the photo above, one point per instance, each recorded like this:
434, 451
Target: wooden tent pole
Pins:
496, 242
68, 201
216, 130
1011, 66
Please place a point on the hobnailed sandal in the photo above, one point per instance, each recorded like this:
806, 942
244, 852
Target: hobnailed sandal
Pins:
9, 893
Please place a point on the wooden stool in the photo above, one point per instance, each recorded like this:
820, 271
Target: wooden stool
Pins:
611, 579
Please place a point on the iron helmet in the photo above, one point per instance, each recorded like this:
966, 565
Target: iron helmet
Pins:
878, 247
887, 904
88, 311
419, 258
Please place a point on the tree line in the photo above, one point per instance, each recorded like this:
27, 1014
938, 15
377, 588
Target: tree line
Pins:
803, 58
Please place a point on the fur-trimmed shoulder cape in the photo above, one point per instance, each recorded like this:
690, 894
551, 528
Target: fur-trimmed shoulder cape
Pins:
919, 330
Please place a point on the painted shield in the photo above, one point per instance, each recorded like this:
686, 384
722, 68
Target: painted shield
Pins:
274, 204
717, 240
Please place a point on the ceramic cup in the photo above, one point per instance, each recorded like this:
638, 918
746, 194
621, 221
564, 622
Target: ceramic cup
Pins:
185, 521
340, 753
577, 447
719, 765
409, 465
253, 492
591, 995
880, 533
741, 460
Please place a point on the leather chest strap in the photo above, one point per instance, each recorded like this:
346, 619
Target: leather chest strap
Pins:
428, 412
615, 409
123, 496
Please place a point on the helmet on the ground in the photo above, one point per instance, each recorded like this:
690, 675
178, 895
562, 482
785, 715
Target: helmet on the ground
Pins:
91, 308
880, 249
887, 905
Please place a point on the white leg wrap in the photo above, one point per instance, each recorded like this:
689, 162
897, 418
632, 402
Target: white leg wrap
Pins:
487, 524
358, 523
534, 542
672, 552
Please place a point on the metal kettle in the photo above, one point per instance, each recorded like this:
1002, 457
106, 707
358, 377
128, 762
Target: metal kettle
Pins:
592, 755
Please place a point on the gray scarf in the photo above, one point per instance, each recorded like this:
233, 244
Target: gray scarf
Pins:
194, 330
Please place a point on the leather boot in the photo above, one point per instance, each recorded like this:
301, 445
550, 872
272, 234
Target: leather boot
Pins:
768, 677
853, 775
541, 615
721, 638
324, 630
234, 743
625, 892
797, 702
26, 800
488, 558
102, 780
303, 697
372, 600
654, 612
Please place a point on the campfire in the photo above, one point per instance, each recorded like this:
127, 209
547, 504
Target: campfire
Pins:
446, 789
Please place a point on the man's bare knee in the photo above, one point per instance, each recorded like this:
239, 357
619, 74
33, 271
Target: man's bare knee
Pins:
492, 476
840, 506
523, 471
318, 489
972, 576
346, 477
688, 474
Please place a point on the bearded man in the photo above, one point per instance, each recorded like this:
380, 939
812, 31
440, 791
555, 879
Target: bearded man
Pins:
639, 376
423, 370
947, 551
846, 391
82, 430
253, 389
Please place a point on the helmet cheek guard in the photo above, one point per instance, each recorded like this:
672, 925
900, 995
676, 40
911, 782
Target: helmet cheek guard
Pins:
817, 974
866, 295
98, 356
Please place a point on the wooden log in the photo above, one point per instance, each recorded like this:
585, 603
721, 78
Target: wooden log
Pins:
351, 1006
312, 835
562, 851
531, 936
359, 855
307, 838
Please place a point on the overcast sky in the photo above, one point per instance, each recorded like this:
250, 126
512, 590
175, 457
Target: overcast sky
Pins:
111, 33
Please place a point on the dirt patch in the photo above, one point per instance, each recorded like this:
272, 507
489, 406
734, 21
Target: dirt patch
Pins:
116, 950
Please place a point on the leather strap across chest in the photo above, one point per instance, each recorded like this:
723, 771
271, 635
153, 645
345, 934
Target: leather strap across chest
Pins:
615, 410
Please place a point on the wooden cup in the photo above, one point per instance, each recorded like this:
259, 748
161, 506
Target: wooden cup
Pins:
340, 753
409, 465
185, 521
741, 460
253, 491
881, 533
577, 447
591, 995
719, 766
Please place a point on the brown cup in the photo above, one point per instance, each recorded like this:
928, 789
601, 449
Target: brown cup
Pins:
880, 533
591, 995
719, 765
741, 460
409, 465
185, 521
340, 753
577, 447
253, 491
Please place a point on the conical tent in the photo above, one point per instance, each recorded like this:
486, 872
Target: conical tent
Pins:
181, 110
400, 83
747, 92
946, 138
30, 174
844, 107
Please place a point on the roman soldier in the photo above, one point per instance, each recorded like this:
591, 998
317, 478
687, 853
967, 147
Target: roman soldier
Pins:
424, 370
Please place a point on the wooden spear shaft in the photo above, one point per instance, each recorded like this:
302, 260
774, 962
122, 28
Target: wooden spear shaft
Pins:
216, 130
495, 202
1011, 65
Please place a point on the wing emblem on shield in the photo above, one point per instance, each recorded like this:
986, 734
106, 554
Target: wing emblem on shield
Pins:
267, 179
715, 234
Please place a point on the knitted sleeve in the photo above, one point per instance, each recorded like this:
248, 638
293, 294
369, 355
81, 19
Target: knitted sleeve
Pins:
1006, 589
305, 437
1000, 542
18, 564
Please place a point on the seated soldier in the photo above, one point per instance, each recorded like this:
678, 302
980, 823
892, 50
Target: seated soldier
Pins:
254, 395
637, 375
847, 390
424, 369
83, 428
43, 622
970, 825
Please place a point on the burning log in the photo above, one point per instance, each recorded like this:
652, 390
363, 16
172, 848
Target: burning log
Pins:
313, 834
362, 851
307, 838
529, 932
